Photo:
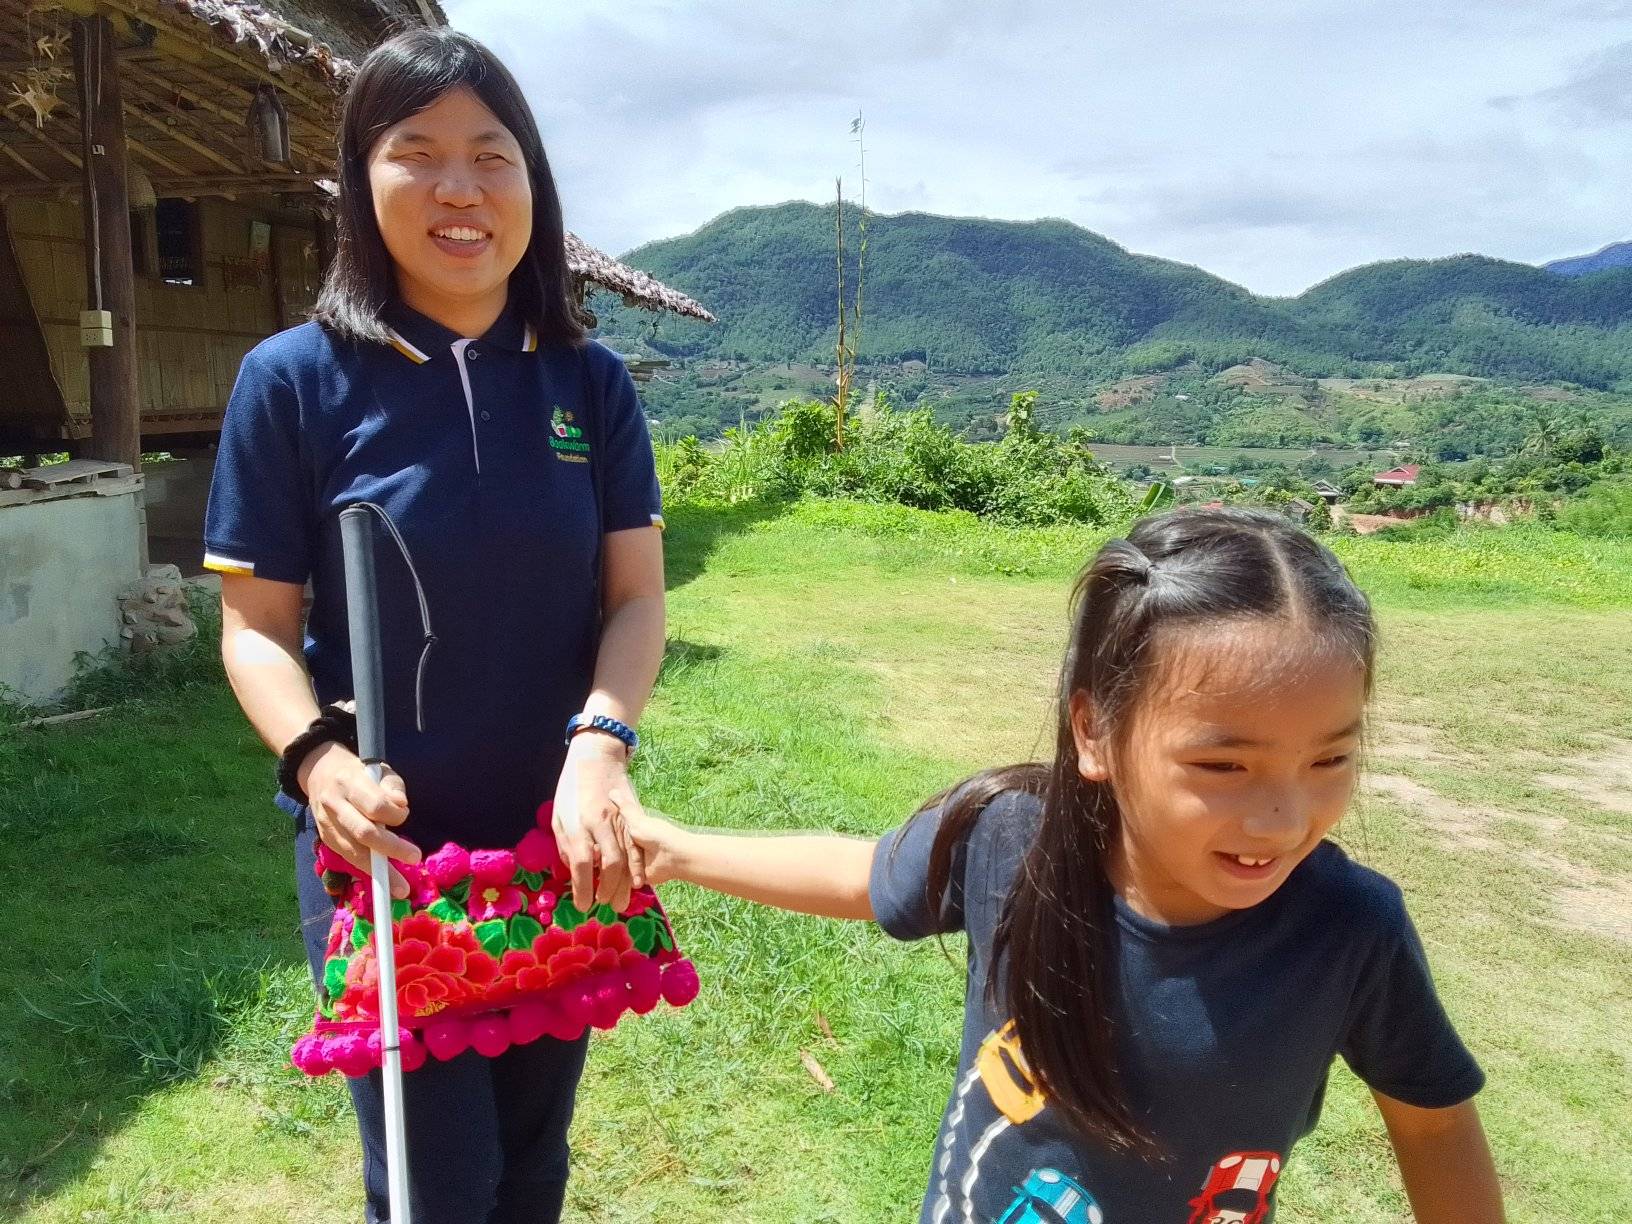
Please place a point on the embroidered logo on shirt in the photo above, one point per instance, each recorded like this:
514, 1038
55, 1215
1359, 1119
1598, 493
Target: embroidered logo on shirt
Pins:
567, 440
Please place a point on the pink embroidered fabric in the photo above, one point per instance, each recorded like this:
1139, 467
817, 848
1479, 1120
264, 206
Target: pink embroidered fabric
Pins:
491, 953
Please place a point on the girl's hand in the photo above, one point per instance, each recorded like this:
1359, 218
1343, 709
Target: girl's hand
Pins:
659, 849
355, 814
593, 800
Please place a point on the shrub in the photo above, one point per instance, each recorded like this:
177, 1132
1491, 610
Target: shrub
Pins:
902, 458
1605, 509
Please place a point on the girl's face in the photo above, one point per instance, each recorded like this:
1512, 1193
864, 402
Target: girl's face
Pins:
1239, 759
454, 205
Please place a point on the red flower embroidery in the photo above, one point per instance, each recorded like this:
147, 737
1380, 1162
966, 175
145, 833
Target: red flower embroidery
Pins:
438, 965
557, 958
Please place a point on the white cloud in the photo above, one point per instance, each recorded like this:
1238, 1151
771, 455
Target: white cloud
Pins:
1274, 143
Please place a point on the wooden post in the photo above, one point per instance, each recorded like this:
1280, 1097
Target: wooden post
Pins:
110, 279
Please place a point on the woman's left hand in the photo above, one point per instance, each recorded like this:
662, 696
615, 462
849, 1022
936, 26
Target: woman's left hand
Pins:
590, 800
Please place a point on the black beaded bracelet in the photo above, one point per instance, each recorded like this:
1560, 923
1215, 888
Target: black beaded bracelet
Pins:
335, 725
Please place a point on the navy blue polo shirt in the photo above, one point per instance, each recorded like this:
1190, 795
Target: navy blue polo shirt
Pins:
502, 462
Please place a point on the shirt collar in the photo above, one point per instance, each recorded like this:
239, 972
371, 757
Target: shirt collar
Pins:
420, 339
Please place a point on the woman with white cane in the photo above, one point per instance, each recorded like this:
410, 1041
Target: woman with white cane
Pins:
446, 378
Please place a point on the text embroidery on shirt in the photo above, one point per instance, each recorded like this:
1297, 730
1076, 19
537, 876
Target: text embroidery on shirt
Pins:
566, 439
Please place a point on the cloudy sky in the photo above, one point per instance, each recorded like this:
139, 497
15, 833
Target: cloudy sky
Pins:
1274, 142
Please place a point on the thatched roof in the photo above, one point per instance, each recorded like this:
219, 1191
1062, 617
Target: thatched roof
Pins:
189, 70
635, 287
327, 37
331, 38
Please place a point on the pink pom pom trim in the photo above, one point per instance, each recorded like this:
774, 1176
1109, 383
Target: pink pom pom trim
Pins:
680, 983
489, 955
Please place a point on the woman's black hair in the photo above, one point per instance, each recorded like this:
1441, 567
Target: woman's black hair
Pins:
1185, 568
399, 78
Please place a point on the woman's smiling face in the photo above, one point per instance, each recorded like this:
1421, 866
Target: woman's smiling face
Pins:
454, 205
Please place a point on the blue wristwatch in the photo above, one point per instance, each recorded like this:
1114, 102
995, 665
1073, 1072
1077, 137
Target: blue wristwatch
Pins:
600, 722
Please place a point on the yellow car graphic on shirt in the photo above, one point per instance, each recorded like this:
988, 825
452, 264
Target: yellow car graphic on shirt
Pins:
1008, 1081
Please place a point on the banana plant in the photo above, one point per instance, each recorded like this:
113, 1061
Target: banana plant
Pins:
1158, 497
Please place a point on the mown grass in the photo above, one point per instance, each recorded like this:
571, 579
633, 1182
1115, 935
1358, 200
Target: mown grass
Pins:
829, 667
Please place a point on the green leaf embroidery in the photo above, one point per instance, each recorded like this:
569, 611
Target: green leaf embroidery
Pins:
362, 930
460, 892
664, 935
401, 909
568, 916
533, 880
643, 931
334, 976
491, 935
447, 910
604, 914
523, 930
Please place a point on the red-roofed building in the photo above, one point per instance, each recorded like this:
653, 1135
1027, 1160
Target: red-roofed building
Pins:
1398, 478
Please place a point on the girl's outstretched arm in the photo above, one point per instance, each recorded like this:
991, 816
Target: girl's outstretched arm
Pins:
1445, 1162
821, 874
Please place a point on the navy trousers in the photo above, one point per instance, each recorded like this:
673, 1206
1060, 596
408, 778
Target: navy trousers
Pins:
487, 1137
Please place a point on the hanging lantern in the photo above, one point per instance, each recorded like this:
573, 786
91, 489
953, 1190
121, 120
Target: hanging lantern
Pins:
269, 125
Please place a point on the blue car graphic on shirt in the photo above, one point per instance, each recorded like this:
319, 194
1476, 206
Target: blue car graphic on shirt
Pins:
1050, 1197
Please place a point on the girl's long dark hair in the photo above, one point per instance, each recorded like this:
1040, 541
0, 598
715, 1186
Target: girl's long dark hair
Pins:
399, 78
1187, 567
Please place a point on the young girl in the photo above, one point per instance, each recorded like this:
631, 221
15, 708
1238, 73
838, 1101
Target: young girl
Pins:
1164, 951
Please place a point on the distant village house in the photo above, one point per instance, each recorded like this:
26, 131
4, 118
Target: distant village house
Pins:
1398, 478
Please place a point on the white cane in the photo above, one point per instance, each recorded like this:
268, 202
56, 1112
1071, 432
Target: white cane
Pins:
357, 545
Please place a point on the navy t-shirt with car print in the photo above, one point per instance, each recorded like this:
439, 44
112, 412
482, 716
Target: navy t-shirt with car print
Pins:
1226, 1031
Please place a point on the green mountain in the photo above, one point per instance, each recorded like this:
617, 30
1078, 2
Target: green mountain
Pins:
1048, 298
1615, 255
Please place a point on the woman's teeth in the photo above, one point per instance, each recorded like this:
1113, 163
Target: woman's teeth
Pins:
1250, 862
460, 233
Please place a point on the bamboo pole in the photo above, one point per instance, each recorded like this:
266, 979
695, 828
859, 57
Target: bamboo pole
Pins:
24, 163
153, 85
154, 156
238, 55
233, 89
173, 132
182, 186
55, 146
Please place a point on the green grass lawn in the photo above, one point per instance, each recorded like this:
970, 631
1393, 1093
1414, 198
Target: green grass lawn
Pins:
829, 667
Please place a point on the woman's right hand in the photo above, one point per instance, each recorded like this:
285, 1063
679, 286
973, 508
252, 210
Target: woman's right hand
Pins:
355, 814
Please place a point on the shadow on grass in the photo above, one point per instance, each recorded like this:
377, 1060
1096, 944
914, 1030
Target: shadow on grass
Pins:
695, 531
149, 903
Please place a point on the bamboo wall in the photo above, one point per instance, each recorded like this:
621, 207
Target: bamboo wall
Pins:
190, 338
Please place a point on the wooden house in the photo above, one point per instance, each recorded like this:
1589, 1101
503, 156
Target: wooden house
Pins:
166, 176
210, 125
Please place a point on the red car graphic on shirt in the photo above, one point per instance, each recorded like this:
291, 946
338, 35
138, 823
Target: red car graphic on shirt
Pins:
1238, 1189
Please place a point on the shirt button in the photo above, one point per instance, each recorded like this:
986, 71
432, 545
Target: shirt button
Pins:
486, 415
473, 352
